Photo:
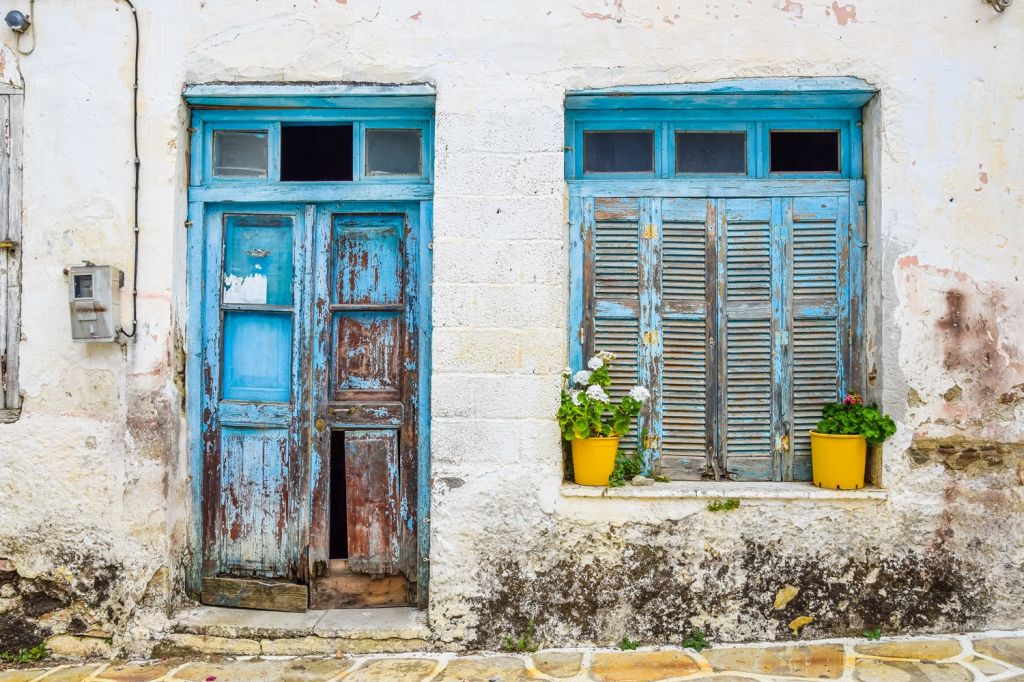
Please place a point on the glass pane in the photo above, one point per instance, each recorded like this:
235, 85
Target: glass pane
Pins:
239, 154
257, 356
630, 151
316, 153
712, 152
805, 151
83, 286
393, 152
258, 259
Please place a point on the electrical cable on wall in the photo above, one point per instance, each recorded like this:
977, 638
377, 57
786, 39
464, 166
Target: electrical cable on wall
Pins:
138, 166
20, 24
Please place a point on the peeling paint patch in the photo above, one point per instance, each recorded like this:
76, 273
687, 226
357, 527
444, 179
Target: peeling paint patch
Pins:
793, 9
844, 14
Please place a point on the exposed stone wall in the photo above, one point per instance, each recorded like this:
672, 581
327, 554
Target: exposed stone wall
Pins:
93, 479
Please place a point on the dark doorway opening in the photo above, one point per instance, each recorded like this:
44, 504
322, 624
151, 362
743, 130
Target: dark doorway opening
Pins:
338, 514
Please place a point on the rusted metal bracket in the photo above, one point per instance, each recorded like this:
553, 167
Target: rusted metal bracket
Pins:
1000, 5
8, 245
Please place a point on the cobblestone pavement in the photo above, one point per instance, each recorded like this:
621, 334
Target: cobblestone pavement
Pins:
952, 659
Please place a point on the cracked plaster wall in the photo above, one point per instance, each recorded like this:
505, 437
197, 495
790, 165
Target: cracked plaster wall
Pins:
94, 472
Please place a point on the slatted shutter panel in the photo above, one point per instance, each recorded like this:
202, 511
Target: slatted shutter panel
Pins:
818, 234
684, 306
745, 227
615, 300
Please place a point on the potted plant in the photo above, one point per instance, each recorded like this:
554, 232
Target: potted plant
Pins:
839, 443
591, 423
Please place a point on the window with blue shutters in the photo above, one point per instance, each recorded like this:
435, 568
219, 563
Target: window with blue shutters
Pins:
716, 245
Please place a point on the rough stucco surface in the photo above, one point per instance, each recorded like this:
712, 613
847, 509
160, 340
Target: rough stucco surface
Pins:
93, 486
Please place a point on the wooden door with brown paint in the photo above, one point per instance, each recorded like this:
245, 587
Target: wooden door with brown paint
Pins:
362, 549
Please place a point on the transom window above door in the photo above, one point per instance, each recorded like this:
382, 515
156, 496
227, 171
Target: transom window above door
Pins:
716, 247
257, 147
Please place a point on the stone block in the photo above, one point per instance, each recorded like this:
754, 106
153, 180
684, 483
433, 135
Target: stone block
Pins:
558, 663
821, 661
869, 670
393, 670
496, 397
295, 670
499, 306
181, 645
491, 669
1008, 649
929, 650
502, 218
299, 646
70, 646
139, 672
642, 666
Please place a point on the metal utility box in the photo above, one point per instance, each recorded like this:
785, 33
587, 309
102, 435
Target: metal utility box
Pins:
94, 292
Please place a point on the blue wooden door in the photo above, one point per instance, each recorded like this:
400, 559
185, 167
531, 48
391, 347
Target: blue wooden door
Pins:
254, 418
365, 392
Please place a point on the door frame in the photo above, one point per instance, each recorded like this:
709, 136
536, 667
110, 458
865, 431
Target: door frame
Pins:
319, 103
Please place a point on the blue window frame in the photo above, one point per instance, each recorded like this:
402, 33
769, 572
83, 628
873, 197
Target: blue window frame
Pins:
734, 296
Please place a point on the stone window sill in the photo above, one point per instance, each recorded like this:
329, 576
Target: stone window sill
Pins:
709, 490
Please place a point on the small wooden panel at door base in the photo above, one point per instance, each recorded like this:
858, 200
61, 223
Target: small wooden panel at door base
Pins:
342, 588
242, 593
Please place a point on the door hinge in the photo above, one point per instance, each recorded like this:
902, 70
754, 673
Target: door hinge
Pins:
650, 441
784, 442
650, 337
8, 245
582, 334
583, 229
650, 232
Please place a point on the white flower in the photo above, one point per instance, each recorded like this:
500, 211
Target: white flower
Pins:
597, 393
582, 378
639, 394
595, 362
606, 356
575, 395
567, 372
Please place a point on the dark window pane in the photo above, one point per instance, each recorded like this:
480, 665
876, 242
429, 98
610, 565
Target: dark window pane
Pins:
393, 152
618, 152
83, 286
805, 151
316, 153
239, 154
711, 152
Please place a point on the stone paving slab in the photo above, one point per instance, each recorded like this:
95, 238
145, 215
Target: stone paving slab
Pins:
951, 659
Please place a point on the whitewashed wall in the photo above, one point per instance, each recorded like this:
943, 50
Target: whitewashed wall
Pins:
93, 475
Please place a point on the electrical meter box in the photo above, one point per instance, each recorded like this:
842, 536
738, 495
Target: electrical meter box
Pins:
95, 302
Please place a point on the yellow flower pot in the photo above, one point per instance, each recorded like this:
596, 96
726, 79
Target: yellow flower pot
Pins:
593, 459
838, 462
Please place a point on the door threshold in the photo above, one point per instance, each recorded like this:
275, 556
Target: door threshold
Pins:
334, 626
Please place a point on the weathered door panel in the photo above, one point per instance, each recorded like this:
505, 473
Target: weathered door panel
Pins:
366, 385
254, 426
371, 478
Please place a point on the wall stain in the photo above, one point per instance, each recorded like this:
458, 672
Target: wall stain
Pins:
608, 585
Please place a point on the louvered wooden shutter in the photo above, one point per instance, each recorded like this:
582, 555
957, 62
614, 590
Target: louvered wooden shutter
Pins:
819, 236
684, 312
746, 336
612, 275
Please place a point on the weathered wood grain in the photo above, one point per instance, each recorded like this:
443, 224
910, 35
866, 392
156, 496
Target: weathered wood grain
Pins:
243, 593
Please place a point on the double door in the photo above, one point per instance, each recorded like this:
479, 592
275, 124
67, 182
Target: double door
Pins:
310, 396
